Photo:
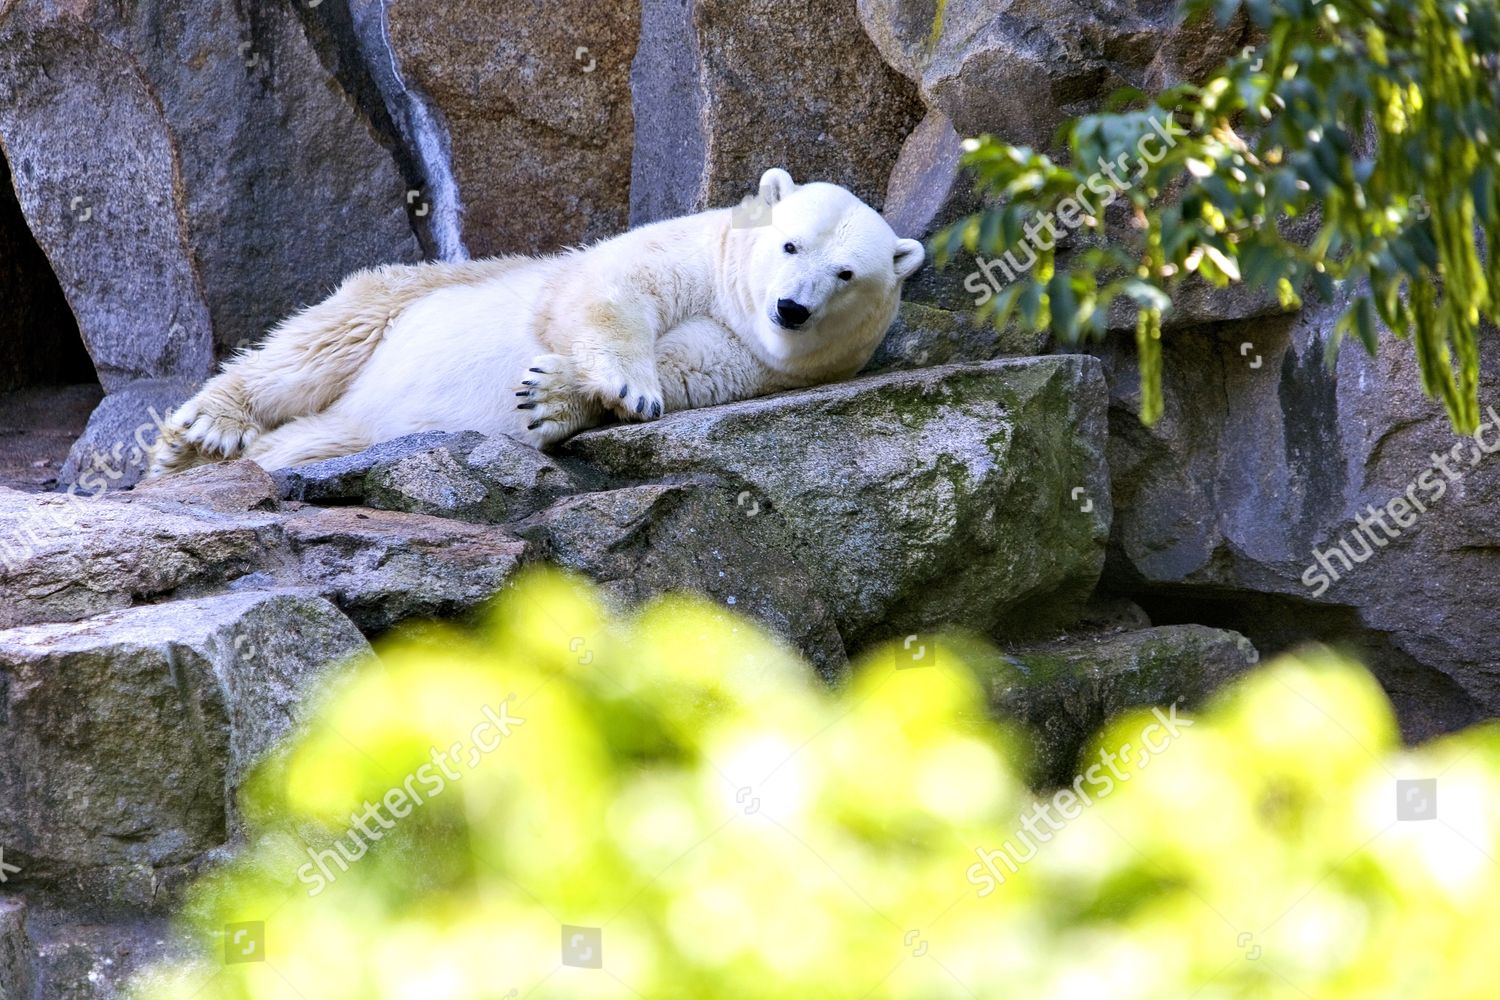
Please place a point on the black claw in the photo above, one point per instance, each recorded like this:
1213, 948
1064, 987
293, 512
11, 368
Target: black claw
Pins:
525, 406
656, 409
533, 425
640, 404
530, 381
537, 370
624, 389
524, 392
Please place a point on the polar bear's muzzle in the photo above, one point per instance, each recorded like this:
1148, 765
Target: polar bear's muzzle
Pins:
790, 314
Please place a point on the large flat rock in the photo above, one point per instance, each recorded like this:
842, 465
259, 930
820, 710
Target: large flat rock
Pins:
383, 567
68, 557
640, 542
126, 735
973, 495
465, 476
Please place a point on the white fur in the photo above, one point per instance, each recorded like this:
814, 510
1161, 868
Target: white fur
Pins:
677, 314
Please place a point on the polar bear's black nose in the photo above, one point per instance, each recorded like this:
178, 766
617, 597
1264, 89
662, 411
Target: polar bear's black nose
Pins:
791, 314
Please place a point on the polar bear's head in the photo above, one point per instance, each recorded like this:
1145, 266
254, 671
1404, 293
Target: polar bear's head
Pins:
824, 276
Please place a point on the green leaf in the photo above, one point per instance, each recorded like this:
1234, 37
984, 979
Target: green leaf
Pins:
1225, 263
1064, 306
1357, 112
989, 230
1124, 97
1003, 306
1030, 302
1145, 295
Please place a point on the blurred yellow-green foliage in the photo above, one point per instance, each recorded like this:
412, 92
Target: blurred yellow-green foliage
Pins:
732, 829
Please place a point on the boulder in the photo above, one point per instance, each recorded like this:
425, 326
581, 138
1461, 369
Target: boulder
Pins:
724, 90
1020, 69
384, 567
972, 495
291, 191
530, 104
1265, 458
640, 542
1064, 691
342, 480
126, 735
466, 476
112, 453
66, 557
94, 168
229, 488
925, 335
928, 187
929, 190
191, 170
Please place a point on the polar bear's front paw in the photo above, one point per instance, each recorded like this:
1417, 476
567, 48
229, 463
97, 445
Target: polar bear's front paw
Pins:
627, 385
631, 392
549, 401
637, 403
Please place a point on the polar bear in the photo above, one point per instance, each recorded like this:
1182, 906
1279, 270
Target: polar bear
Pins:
794, 287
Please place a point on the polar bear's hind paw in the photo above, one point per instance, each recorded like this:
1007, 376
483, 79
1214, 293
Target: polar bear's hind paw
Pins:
215, 424
171, 454
222, 436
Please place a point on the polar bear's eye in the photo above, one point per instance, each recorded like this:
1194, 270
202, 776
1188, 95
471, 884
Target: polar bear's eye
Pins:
789, 247
846, 275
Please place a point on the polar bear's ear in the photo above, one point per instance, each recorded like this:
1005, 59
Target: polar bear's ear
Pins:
909, 257
775, 184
